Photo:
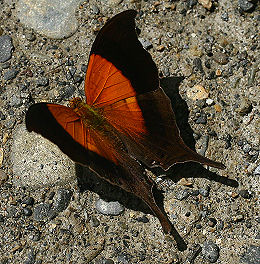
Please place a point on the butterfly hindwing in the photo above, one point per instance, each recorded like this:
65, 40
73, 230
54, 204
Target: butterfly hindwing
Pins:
63, 127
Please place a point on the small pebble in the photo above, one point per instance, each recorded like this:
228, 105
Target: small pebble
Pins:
202, 119
95, 9
109, 208
6, 48
160, 48
62, 200
248, 224
257, 170
3, 177
43, 81
67, 92
218, 72
42, 212
198, 225
15, 101
246, 5
220, 58
30, 36
146, 43
245, 194
217, 108
197, 65
210, 251
232, 194
27, 211
182, 194
94, 221
245, 107
166, 72
224, 16
238, 218
185, 182
204, 192
247, 148
197, 92
28, 201
252, 255
212, 222
142, 219
206, 3
209, 102
204, 141
84, 68
1, 218
11, 74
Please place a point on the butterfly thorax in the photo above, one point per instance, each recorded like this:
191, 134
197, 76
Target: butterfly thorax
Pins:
90, 116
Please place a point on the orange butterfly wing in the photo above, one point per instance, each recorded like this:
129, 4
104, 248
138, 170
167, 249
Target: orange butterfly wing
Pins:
66, 129
104, 83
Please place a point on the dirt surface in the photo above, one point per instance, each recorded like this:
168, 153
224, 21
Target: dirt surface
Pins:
209, 64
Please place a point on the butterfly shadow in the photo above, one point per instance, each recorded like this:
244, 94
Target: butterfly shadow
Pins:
190, 169
89, 181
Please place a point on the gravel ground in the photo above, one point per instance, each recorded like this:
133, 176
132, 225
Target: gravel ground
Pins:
52, 211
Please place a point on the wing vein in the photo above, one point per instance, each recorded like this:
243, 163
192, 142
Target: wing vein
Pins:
110, 66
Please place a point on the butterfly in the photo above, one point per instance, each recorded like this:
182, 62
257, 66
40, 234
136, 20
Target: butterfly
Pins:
126, 119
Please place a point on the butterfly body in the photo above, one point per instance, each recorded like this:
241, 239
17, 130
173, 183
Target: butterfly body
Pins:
92, 118
127, 117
